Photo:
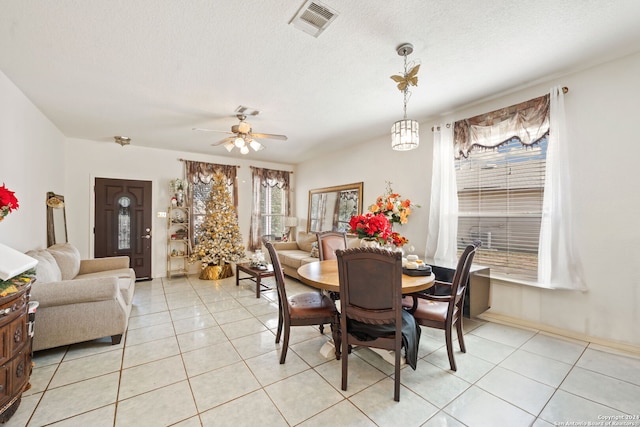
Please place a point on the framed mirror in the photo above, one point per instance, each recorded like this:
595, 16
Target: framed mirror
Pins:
56, 219
331, 208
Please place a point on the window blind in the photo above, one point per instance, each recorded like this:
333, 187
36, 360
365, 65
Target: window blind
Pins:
500, 194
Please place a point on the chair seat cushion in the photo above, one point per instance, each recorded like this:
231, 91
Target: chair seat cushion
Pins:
310, 305
431, 310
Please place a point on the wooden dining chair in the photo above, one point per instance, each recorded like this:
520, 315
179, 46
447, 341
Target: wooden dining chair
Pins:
329, 242
370, 298
443, 312
304, 309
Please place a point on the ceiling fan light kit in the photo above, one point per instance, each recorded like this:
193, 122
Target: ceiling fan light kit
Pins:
243, 136
405, 133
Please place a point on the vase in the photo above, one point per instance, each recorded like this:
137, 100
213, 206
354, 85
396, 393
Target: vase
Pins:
369, 243
180, 198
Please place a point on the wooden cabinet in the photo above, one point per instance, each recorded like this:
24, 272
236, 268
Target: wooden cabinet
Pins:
15, 350
178, 241
476, 299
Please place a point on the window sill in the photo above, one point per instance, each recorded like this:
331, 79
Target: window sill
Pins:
504, 279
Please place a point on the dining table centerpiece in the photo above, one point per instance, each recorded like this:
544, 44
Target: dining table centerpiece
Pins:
397, 211
393, 206
372, 229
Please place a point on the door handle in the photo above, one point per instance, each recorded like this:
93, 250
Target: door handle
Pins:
148, 235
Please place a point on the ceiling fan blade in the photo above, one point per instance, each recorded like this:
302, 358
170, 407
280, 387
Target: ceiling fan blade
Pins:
268, 136
224, 140
212, 130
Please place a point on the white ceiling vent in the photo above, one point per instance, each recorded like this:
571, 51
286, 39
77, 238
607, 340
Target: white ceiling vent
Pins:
247, 111
313, 17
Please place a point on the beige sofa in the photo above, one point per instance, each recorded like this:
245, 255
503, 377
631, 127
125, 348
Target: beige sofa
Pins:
80, 300
301, 251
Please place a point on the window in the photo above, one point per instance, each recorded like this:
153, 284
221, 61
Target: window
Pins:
500, 162
272, 204
500, 195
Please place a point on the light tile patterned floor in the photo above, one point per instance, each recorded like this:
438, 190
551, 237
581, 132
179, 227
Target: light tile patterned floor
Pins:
202, 353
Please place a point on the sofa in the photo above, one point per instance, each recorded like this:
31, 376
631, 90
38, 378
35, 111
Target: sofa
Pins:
301, 251
80, 300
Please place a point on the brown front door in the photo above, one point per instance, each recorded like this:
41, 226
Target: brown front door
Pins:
123, 222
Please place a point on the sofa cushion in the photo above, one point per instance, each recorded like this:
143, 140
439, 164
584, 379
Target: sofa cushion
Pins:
68, 259
305, 241
47, 269
126, 280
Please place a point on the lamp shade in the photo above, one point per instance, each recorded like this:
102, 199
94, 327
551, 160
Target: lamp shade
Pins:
405, 135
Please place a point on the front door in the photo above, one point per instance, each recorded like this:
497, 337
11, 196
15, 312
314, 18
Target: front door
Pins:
123, 222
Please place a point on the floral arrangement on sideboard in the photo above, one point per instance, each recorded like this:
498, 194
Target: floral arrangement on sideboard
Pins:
8, 202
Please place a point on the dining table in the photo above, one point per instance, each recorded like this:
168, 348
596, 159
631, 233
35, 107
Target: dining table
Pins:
324, 275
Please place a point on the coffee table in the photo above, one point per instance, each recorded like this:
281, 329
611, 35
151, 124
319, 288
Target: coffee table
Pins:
255, 275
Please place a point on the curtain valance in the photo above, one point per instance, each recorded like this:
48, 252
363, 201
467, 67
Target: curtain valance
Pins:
203, 172
527, 121
272, 177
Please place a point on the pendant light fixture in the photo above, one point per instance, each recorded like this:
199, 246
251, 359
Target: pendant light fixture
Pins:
404, 133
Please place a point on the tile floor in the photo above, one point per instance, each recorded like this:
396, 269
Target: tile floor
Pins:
202, 353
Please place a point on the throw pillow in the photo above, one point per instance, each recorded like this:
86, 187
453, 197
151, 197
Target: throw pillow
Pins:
47, 269
68, 259
305, 240
314, 250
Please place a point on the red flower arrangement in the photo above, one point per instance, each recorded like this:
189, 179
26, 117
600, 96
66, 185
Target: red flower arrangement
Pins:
8, 202
371, 226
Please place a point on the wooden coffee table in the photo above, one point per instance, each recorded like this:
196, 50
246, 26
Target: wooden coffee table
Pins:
255, 275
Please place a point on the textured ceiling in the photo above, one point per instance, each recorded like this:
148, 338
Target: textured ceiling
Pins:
154, 69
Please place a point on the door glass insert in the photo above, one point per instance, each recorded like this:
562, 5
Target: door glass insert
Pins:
124, 223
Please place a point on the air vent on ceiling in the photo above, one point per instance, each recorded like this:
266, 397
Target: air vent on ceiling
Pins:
314, 17
247, 111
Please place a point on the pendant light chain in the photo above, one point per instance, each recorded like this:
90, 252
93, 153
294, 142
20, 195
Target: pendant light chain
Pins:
406, 89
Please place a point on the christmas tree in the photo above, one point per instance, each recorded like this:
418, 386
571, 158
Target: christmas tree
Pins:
219, 239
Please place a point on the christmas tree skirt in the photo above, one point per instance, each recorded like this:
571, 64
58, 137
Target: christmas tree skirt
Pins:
215, 272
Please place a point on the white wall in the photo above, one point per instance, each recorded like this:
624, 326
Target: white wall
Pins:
602, 110
31, 163
91, 159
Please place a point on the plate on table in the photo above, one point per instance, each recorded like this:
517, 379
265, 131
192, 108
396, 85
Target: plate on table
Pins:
423, 270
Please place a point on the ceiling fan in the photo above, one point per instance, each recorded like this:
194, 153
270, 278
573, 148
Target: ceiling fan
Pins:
242, 136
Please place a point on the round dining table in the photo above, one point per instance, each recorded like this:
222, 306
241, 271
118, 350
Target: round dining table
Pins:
324, 275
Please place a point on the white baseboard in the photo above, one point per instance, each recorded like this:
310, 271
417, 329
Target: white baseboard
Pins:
514, 321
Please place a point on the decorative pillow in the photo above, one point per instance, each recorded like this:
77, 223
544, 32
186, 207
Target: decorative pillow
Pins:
305, 240
47, 269
314, 250
68, 259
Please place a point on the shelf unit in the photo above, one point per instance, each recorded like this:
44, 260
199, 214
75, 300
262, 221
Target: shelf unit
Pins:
178, 241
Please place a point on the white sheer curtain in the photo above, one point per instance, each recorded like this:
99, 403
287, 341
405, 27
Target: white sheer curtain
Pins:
443, 214
559, 266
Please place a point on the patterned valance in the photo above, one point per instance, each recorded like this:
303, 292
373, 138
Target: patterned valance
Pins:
528, 122
272, 178
203, 172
